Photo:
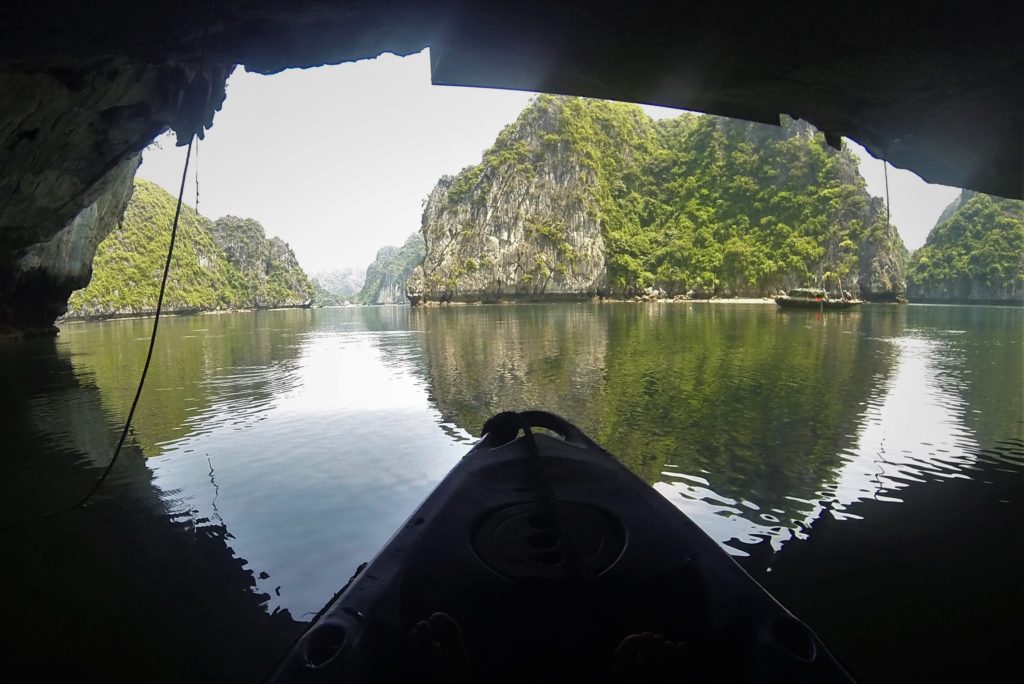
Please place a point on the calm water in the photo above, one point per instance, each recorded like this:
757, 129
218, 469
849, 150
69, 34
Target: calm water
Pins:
275, 451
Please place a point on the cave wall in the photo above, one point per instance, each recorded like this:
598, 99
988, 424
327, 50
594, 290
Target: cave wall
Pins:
48, 272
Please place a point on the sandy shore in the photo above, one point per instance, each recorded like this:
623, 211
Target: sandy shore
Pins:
596, 300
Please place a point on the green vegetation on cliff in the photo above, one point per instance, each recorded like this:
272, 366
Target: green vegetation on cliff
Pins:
386, 276
266, 273
692, 203
975, 252
223, 265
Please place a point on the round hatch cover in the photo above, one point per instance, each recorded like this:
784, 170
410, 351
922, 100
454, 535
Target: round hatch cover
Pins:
549, 541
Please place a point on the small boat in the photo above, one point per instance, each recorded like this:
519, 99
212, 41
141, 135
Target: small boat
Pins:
814, 298
541, 558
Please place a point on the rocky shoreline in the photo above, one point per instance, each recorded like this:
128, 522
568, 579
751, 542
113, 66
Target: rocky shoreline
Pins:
600, 300
84, 318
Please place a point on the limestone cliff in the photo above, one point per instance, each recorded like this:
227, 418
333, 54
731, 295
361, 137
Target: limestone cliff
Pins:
523, 224
50, 271
387, 275
881, 260
579, 198
975, 253
269, 273
224, 265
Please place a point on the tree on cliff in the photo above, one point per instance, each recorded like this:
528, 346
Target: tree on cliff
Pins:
975, 252
224, 265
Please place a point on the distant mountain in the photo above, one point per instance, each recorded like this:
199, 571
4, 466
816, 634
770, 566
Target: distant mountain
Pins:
386, 276
338, 286
227, 264
975, 253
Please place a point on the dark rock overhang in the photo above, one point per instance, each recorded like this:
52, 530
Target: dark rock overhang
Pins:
938, 90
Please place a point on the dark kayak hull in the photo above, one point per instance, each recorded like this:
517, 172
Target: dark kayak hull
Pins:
549, 554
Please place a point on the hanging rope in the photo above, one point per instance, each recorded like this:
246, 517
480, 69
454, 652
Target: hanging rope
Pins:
197, 174
163, 280
885, 172
152, 337
194, 139
145, 368
199, 79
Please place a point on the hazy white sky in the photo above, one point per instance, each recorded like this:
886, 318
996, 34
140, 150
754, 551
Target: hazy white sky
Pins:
914, 205
338, 160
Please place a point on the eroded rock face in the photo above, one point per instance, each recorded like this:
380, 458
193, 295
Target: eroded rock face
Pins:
62, 133
69, 148
386, 277
284, 272
270, 275
36, 288
521, 229
881, 272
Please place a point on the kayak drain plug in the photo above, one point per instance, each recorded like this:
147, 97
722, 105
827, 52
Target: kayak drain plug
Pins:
324, 644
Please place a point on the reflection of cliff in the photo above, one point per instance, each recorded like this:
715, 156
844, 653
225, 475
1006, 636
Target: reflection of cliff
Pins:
127, 587
201, 362
761, 408
484, 360
748, 398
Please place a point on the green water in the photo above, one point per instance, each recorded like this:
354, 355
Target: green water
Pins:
299, 440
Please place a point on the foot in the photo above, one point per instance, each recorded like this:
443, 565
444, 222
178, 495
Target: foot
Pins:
440, 652
648, 657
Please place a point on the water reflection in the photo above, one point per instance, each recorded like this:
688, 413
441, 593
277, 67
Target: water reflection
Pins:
751, 420
127, 569
207, 369
738, 414
299, 440
309, 433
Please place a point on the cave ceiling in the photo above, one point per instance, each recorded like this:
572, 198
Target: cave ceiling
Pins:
936, 89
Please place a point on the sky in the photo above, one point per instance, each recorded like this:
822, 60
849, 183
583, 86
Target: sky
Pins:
338, 160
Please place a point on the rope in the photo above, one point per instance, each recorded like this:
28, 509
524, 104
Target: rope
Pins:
163, 281
152, 337
145, 368
885, 172
197, 175
156, 317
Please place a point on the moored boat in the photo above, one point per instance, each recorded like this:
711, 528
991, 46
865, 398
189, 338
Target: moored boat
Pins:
814, 298
541, 558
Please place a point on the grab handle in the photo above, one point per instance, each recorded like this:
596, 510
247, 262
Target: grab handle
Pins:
504, 427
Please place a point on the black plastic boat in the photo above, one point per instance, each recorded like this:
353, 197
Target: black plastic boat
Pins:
540, 558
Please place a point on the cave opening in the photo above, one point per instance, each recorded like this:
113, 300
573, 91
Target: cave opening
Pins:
248, 584
336, 162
